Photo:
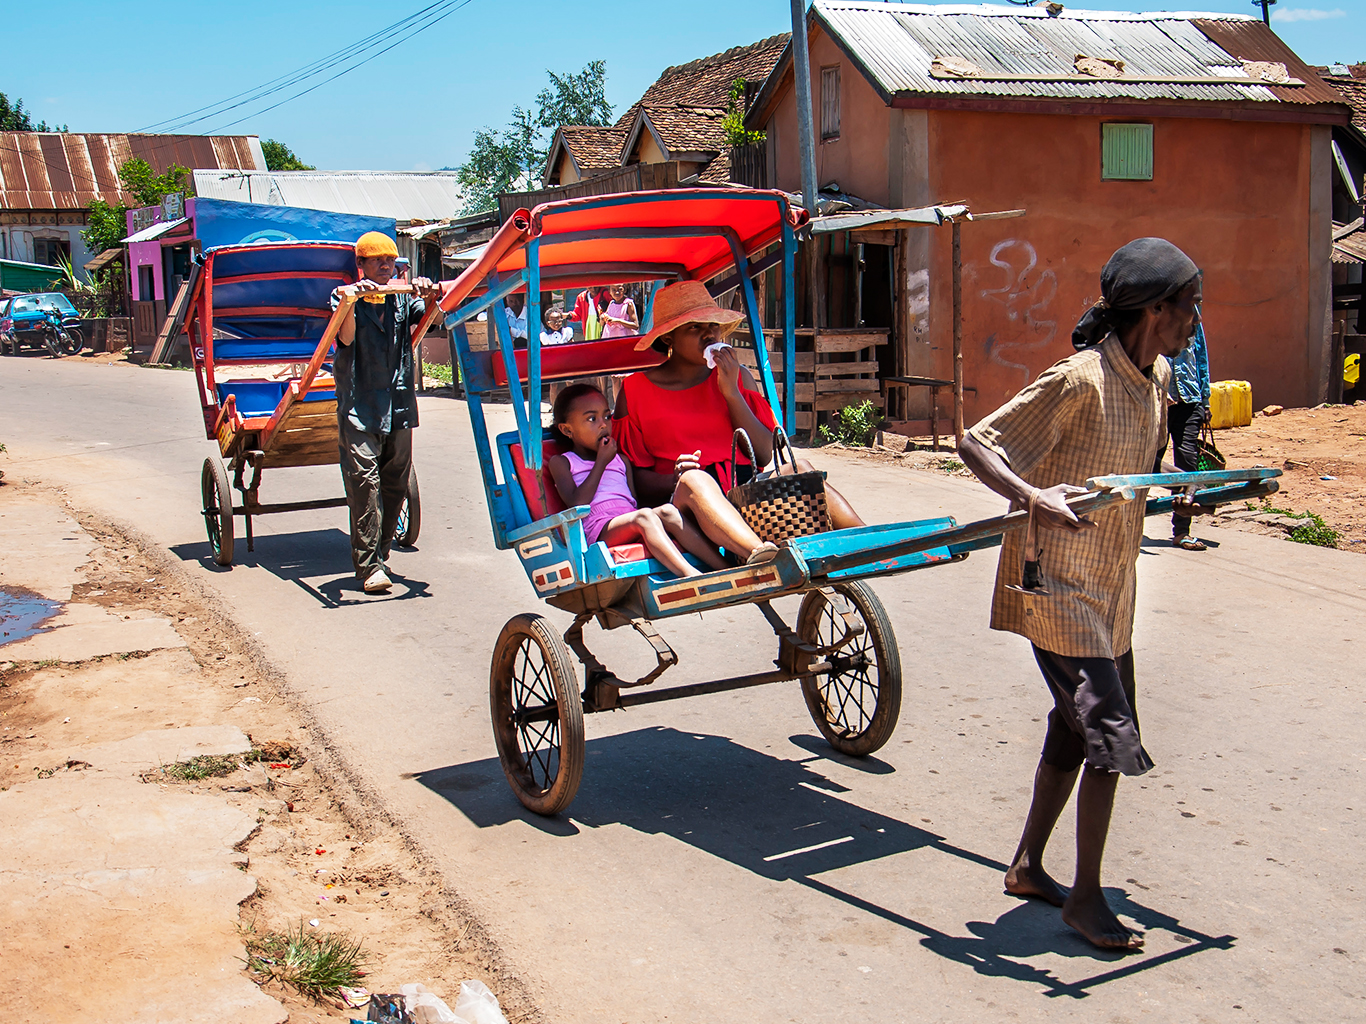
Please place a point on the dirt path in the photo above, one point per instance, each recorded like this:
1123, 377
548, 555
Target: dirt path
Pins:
1311, 444
314, 851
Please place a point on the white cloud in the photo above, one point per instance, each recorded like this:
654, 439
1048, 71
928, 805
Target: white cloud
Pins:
1307, 14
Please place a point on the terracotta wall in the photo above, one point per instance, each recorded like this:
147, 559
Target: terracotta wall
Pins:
858, 160
1233, 195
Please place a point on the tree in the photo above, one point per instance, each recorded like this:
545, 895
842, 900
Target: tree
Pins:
511, 159
280, 157
734, 122
109, 224
577, 99
17, 119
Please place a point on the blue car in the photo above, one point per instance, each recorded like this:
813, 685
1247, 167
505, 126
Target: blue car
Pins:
29, 321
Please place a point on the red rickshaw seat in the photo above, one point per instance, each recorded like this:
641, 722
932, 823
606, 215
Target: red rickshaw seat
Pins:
583, 359
540, 508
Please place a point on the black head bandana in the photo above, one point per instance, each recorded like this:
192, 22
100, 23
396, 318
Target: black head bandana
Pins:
1142, 273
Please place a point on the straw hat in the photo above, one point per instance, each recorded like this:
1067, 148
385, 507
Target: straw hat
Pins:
375, 243
687, 302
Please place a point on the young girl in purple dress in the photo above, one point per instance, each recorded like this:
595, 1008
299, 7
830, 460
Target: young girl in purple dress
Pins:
591, 472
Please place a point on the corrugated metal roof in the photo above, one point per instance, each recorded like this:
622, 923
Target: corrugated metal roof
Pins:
897, 43
70, 170
403, 195
155, 231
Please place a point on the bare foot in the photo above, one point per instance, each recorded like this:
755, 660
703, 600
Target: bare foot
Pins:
1032, 882
1092, 916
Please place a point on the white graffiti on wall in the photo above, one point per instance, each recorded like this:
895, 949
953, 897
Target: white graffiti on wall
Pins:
1026, 303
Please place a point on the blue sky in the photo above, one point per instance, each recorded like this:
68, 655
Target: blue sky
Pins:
123, 66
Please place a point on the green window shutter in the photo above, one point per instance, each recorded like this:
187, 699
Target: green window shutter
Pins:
1126, 152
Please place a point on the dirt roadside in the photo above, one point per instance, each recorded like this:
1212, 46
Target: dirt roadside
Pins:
1322, 453
86, 932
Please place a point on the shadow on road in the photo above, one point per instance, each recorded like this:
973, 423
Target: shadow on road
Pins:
782, 819
307, 560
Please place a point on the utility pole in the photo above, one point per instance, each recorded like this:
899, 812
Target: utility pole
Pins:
801, 73
1266, 6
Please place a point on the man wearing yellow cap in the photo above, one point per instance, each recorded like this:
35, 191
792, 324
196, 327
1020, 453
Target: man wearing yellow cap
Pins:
377, 404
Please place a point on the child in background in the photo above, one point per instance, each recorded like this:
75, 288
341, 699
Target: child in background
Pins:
554, 330
592, 473
619, 315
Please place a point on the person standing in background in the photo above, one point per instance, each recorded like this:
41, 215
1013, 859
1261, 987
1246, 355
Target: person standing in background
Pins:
619, 318
1186, 415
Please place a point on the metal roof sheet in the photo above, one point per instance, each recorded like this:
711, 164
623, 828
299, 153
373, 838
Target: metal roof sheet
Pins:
897, 43
155, 231
403, 195
70, 170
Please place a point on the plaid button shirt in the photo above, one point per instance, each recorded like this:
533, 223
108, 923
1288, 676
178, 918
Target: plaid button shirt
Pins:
1092, 414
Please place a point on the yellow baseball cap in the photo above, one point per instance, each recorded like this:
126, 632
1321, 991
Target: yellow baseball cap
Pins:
375, 243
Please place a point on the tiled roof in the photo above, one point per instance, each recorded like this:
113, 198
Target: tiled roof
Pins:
70, 170
1353, 90
594, 149
707, 82
688, 129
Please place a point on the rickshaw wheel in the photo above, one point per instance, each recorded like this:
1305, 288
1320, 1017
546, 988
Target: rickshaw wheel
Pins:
217, 492
855, 707
537, 714
410, 515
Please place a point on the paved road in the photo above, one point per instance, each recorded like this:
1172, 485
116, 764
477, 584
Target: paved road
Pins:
671, 890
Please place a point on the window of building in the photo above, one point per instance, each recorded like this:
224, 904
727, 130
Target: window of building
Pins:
146, 284
830, 103
1126, 152
51, 252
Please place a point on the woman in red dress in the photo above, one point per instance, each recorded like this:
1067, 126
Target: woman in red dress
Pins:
675, 423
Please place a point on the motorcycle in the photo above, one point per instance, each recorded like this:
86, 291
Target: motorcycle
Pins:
60, 339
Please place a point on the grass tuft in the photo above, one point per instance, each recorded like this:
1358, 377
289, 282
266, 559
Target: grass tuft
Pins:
312, 964
1312, 531
209, 766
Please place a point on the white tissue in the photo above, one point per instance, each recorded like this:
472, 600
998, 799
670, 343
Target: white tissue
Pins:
709, 353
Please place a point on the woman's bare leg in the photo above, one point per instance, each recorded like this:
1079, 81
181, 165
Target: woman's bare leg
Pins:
689, 537
698, 494
645, 523
842, 514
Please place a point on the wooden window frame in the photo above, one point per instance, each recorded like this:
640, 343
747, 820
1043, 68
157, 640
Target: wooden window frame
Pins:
1106, 171
830, 104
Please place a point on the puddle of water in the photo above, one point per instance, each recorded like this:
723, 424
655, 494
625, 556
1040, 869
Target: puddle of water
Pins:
22, 613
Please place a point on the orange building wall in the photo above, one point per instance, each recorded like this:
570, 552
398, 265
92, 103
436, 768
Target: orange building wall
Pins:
857, 160
1233, 195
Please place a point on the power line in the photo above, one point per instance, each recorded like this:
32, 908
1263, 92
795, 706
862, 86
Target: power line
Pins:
405, 28
293, 77
347, 71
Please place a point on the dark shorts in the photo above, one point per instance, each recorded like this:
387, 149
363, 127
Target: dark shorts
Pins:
1094, 718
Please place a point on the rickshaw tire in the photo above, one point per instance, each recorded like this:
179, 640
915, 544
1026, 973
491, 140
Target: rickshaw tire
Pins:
872, 729
217, 494
530, 776
411, 522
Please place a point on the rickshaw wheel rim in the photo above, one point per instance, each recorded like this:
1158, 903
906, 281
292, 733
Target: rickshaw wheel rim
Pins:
855, 707
543, 760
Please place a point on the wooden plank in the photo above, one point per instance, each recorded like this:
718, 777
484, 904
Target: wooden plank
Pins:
175, 319
826, 386
845, 369
806, 421
829, 403
806, 361
826, 342
875, 236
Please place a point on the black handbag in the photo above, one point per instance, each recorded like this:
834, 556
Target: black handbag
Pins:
778, 506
